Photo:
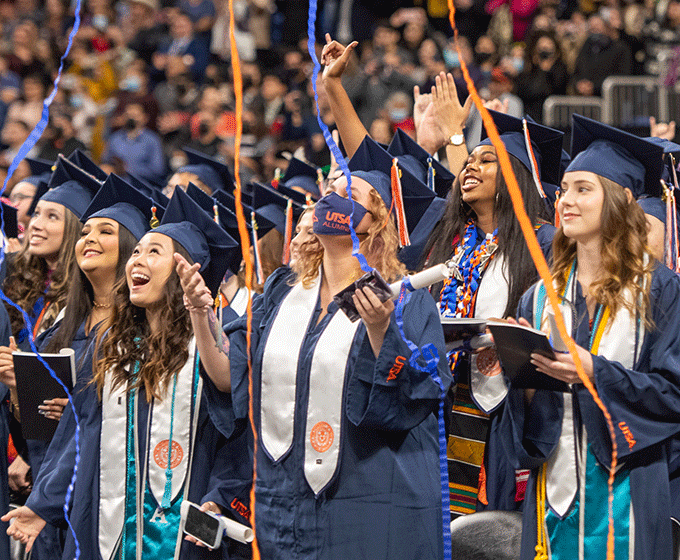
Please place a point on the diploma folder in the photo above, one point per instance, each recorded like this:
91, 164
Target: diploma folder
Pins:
514, 346
35, 385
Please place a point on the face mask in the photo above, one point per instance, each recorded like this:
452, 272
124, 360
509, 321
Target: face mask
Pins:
482, 57
451, 58
518, 64
131, 84
203, 129
76, 101
100, 21
130, 124
600, 40
398, 115
332, 215
545, 55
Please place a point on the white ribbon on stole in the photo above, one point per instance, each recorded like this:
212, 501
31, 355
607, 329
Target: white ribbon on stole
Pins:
487, 383
324, 409
618, 343
112, 461
181, 432
113, 456
280, 366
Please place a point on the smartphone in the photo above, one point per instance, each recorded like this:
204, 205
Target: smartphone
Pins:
204, 526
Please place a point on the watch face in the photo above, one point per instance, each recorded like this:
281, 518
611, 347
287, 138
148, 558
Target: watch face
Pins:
457, 139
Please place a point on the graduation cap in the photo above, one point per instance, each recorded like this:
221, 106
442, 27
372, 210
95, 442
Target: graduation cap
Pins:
420, 164
632, 162
151, 191
218, 178
264, 225
121, 202
9, 220
384, 173
205, 241
297, 196
276, 207
87, 164
303, 175
546, 148
40, 167
69, 186
671, 151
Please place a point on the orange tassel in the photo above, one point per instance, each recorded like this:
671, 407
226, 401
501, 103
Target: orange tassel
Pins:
557, 214
288, 235
532, 159
398, 202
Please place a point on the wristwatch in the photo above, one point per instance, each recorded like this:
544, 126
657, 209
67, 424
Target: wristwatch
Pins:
456, 139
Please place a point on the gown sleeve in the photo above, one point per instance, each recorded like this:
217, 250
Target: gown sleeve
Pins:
387, 392
644, 402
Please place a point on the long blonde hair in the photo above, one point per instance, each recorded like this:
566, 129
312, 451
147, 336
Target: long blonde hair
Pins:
624, 263
380, 248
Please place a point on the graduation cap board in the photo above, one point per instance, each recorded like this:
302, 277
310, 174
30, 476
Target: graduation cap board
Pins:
222, 179
418, 162
69, 186
303, 175
229, 202
628, 160
87, 164
373, 164
273, 205
121, 202
40, 167
149, 190
205, 241
9, 221
546, 146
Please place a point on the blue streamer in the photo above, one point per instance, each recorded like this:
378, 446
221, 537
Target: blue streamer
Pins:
431, 357
332, 146
26, 147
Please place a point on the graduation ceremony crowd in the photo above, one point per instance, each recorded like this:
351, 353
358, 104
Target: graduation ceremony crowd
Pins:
274, 405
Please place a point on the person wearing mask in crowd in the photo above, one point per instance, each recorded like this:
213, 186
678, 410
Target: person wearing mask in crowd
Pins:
134, 87
143, 32
153, 370
60, 138
620, 306
599, 57
334, 457
544, 73
135, 148
205, 139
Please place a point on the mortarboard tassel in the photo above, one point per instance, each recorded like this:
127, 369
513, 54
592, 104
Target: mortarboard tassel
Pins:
674, 216
430, 174
154, 222
319, 177
277, 178
288, 235
398, 203
257, 265
532, 159
308, 199
557, 214
216, 214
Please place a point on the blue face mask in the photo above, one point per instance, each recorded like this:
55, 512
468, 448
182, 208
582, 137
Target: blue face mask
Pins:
451, 58
131, 84
332, 215
518, 63
398, 115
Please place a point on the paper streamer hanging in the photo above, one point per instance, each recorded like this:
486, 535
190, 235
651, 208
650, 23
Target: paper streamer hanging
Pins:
541, 266
26, 147
332, 146
245, 249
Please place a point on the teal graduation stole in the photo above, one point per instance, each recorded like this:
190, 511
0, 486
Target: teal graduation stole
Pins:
157, 524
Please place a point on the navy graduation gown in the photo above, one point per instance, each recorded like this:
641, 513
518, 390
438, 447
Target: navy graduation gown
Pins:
646, 398
384, 500
5, 333
220, 472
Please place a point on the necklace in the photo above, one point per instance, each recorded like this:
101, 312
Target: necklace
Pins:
101, 305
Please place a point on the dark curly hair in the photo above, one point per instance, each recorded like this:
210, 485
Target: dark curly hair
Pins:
125, 340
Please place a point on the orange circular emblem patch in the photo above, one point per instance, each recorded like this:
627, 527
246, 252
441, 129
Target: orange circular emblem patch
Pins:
321, 437
487, 362
160, 454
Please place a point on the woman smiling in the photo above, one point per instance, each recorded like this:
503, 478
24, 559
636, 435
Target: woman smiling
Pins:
621, 308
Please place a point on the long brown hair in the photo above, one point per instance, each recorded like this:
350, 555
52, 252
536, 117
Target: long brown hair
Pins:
125, 343
379, 246
624, 244
27, 276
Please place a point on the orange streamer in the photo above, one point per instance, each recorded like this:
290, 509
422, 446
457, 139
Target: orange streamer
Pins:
245, 249
541, 266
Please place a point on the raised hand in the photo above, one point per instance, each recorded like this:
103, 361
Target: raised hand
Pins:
450, 114
7, 363
195, 291
335, 57
661, 130
428, 132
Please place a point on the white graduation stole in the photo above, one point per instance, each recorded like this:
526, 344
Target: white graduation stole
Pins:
618, 343
326, 384
112, 473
